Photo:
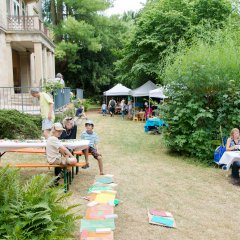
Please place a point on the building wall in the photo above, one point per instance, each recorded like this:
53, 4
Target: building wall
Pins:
6, 72
26, 57
35, 8
3, 13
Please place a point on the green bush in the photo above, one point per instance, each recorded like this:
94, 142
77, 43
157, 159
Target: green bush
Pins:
202, 95
86, 103
68, 113
33, 210
16, 125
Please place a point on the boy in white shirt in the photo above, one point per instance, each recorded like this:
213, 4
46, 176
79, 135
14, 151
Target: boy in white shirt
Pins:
56, 152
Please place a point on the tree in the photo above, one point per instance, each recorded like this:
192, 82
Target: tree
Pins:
87, 41
160, 26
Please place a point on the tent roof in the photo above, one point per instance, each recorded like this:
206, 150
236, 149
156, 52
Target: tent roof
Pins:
157, 93
143, 91
118, 90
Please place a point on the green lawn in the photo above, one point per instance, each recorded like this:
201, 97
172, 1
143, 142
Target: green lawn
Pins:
203, 202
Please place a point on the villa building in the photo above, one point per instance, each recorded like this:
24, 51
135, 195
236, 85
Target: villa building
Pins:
26, 48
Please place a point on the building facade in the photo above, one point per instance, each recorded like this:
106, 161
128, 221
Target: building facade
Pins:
26, 48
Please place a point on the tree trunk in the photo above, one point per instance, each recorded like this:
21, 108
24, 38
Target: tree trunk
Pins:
53, 12
59, 11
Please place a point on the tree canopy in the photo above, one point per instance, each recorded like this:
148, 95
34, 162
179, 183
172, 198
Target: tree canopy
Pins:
87, 41
161, 25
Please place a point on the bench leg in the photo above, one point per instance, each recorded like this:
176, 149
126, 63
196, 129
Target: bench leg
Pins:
69, 177
72, 172
65, 172
77, 169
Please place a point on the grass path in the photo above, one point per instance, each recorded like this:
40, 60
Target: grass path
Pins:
203, 202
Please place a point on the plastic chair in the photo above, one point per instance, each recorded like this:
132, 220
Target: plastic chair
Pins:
142, 116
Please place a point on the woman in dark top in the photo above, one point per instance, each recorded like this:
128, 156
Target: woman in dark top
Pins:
70, 129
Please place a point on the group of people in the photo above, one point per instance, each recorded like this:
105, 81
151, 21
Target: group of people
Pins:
125, 108
53, 132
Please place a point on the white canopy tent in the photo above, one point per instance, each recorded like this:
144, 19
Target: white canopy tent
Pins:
157, 93
118, 90
143, 91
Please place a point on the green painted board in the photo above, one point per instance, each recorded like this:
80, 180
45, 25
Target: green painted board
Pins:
92, 225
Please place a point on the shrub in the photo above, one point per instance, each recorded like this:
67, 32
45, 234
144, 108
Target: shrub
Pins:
70, 112
33, 211
16, 125
203, 94
86, 103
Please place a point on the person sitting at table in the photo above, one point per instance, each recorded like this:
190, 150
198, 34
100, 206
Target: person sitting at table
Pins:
233, 144
70, 129
56, 152
69, 133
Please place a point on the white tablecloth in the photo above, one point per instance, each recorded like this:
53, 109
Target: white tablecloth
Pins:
228, 158
11, 145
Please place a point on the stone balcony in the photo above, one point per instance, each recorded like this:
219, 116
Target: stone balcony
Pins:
26, 23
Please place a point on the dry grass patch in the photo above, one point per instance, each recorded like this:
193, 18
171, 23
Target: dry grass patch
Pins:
203, 202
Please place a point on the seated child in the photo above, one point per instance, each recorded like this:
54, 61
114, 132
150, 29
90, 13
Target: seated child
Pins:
80, 112
55, 151
90, 135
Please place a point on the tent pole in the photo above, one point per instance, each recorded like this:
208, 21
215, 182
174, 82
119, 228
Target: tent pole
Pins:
134, 106
148, 105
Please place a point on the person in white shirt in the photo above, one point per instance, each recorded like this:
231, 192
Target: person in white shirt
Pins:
104, 109
59, 78
55, 151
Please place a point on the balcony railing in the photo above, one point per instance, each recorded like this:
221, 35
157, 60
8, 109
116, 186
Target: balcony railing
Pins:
26, 23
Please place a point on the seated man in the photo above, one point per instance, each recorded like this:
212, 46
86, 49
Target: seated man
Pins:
55, 151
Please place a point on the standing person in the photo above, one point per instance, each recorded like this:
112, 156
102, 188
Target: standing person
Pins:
123, 108
104, 109
90, 135
233, 144
59, 78
130, 109
46, 109
112, 105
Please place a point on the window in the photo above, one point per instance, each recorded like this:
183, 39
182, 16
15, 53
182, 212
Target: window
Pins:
8, 6
23, 8
16, 7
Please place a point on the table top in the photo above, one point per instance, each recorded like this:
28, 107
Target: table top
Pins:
7, 145
228, 158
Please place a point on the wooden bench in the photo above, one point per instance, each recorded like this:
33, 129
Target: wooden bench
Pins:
66, 169
43, 151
